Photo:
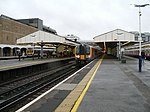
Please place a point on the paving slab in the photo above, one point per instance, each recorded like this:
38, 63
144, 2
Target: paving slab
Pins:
113, 89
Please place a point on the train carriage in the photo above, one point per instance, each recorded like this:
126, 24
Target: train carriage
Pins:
134, 51
36, 51
85, 53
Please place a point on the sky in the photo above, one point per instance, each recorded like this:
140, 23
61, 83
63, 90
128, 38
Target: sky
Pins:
83, 18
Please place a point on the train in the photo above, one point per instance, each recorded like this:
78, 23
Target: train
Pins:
133, 51
85, 53
36, 51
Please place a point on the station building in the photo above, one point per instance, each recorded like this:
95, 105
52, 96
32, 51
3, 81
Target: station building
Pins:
13, 29
145, 36
32, 32
72, 37
37, 23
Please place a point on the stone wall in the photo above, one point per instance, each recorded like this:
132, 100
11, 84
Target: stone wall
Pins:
11, 30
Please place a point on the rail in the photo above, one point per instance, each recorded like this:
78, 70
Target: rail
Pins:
8, 102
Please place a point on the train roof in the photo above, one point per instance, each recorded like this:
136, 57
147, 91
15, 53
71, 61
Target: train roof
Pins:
92, 46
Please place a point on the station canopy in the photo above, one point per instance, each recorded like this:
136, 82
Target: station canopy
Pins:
113, 37
39, 37
12, 46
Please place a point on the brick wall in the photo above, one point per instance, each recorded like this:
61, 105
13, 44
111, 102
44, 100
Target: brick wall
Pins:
11, 30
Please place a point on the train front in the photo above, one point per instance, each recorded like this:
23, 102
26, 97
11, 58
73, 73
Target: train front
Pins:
82, 53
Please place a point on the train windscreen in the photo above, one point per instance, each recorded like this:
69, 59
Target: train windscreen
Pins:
87, 50
80, 50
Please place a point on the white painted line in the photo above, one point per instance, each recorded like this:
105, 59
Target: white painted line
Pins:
42, 95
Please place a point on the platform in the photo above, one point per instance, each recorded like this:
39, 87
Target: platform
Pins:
118, 87
15, 63
110, 86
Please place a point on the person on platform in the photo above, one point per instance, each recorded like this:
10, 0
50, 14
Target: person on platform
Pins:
19, 55
23, 55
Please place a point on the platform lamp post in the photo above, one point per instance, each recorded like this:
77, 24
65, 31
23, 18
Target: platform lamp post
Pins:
140, 38
41, 44
119, 53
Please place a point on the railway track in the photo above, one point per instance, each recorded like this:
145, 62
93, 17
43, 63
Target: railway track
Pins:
14, 84
18, 93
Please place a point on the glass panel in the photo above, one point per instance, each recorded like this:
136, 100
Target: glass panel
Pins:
82, 50
87, 50
77, 50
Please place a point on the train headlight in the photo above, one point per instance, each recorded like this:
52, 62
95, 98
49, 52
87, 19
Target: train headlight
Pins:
77, 56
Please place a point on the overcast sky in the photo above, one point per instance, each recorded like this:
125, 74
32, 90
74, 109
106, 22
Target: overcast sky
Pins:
83, 18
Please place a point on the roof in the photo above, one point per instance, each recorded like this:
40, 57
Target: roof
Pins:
46, 38
6, 17
112, 31
12, 46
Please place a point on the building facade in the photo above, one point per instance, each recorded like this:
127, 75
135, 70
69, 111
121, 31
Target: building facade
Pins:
72, 37
37, 23
145, 36
11, 30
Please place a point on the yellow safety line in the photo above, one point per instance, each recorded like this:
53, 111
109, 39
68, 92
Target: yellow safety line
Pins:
75, 107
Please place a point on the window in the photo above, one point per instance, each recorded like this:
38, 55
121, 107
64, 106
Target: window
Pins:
77, 50
87, 50
80, 49
30, 20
